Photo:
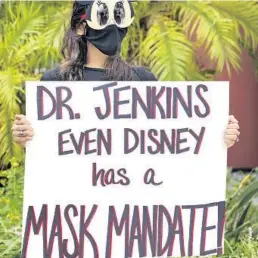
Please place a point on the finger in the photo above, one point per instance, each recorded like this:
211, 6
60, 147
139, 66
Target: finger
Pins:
22, 141
22, 130
19, 140
23, 127
29, 138
20, 117
233, 126
231, 138
232, 119
21, 122
27, 133
230, 143
233, 132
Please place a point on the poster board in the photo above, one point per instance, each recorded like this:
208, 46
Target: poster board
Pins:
125, 169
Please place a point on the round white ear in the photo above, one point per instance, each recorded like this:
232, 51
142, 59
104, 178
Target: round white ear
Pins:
128, 19
96, 9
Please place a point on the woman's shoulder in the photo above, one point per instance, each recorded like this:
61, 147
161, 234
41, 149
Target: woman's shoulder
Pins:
143, 74
139, 74
51, 75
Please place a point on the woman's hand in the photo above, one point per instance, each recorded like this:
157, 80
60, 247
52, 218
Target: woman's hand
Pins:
232, 132
22, 130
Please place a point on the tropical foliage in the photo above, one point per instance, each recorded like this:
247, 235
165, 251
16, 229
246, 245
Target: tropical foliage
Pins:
27, 44
11, 199
241, 215
165, 37
172, 32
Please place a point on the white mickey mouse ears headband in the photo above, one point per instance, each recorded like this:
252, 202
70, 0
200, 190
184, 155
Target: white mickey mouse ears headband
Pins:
101, 13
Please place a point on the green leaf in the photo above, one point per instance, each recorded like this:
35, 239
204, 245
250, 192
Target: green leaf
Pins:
248, 194
244, 13
213, 31
167, 50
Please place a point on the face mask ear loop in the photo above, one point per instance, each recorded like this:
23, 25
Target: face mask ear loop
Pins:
85, 49
84, 17
86, 27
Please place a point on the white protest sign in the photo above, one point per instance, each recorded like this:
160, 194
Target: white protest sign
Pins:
125, 169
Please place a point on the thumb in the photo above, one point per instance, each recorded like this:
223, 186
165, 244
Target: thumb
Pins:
232, 119
19, 117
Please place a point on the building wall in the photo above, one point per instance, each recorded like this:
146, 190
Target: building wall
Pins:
244, 106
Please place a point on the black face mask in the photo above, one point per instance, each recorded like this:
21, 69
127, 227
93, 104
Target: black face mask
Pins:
107, 23
108, 40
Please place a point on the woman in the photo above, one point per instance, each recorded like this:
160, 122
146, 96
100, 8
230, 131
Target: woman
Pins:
91, 53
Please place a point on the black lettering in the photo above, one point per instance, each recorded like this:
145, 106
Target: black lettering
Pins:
73, 232
56, 231
61, 142
178, 97
122, 173
61, 103
146, 107
84, 232
155, 102
128, 149
36, 225
118, 102
105, 89
152, 133
113, 223
207, 111
180, 141
40, 103
199, 139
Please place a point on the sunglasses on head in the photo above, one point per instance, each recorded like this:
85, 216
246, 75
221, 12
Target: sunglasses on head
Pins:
102, 13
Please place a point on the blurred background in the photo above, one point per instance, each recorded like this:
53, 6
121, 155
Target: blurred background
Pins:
177, 41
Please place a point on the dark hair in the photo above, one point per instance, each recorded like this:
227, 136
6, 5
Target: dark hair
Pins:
74, 52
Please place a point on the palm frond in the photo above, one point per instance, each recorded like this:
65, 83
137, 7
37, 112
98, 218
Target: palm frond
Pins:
167, 50
144, 13
10, 85
245, 14
213, 31
52, 37
56, 26
29, 21
21, 58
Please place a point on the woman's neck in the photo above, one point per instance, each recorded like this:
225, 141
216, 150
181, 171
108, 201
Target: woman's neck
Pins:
95, 58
